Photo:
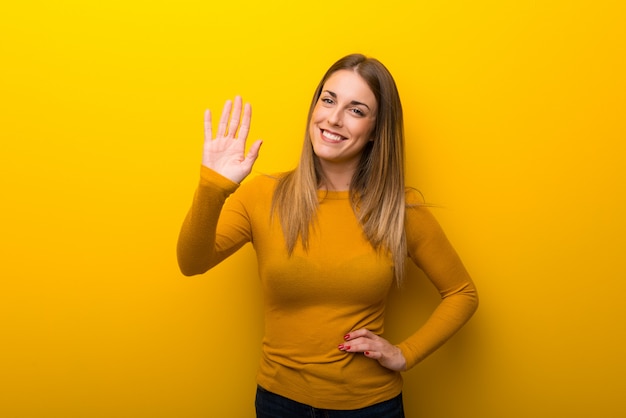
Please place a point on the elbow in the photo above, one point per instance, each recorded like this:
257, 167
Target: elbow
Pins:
474, 301
191, 269
472, 294
189, 272
465, 299
191, 263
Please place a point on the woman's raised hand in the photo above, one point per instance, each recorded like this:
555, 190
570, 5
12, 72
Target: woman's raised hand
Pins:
225, 153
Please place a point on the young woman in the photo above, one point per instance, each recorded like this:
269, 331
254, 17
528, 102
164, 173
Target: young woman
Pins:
331, 238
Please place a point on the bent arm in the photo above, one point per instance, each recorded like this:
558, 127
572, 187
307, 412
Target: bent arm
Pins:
432, 252
200, 246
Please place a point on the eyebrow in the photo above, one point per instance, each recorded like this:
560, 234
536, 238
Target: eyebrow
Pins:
353, 102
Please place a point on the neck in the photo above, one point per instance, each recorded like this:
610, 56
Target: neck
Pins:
337, 177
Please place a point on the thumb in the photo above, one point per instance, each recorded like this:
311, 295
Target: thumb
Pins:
253, 152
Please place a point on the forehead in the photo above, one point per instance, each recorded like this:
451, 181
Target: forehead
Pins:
350, 86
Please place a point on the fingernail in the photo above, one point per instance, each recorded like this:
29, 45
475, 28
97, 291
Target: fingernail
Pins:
340, 346
347, 347
367, 353
347, 336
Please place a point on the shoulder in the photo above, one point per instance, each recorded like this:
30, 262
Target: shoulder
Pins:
420, 221
413, 197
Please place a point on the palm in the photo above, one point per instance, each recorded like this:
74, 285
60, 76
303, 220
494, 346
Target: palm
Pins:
225, 153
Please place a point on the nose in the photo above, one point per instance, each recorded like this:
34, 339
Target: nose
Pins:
335, 118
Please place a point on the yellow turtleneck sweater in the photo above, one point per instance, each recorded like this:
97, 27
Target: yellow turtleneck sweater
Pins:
313, 298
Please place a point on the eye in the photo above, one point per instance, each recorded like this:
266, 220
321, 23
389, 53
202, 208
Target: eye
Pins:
327, 100
357, 111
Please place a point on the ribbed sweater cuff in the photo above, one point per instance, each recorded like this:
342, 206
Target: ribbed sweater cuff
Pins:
209, 177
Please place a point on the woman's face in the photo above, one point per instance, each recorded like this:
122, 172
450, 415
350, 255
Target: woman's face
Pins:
343, 119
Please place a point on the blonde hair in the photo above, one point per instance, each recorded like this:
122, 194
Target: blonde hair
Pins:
377, 189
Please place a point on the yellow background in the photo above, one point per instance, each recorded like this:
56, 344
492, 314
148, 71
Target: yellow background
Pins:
515, 115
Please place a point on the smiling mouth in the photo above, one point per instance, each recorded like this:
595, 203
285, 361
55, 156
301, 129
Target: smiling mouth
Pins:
329, 136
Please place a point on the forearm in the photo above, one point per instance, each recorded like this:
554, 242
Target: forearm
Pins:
196, 248
448, 318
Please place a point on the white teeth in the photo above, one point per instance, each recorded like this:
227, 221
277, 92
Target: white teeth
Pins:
332, 137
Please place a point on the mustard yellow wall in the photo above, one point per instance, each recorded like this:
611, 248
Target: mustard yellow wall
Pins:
515, 115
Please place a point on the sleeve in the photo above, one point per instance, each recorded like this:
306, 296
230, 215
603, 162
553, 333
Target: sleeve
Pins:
431, 251
214, 227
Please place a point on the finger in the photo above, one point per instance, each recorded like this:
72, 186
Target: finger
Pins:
376, 355
358, 334
234, 117
208, 134
245, 122
223, 125
357, 347
359, 344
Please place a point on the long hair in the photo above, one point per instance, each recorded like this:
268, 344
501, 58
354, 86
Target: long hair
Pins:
377, 190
